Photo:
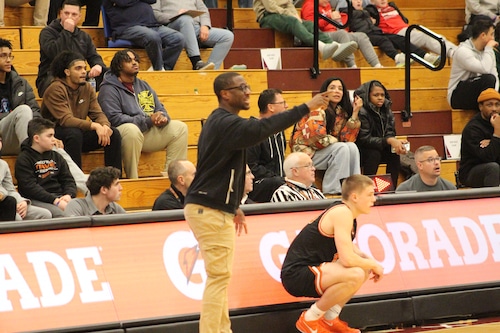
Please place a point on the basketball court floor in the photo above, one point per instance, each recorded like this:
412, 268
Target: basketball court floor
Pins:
484, 325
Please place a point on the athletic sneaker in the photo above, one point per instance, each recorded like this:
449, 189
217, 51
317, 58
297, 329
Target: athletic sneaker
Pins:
336, 326
202, 66
432, 58
306, 326
345, 50
399, 59
329, 49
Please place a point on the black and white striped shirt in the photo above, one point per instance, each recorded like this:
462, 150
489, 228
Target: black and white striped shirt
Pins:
295, 191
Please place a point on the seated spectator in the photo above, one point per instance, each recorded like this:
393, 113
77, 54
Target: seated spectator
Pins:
181, 174
23, 210
69, 101
197, 31
248, 187
428, 177
42, 174
266, 158
392, 21
488, 8
341, 36
39, 15
92, 11
474, 67
337, 4
134, 21
63, 34
104, 190
328, 136
391, 44
480, 147
133, 107
283, 17
18, 106
299, 181
376, 140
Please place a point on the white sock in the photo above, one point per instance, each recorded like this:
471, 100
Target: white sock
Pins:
314, 313
333, 312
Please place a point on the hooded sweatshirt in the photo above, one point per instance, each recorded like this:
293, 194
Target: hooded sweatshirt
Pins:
123, 106
70, 108
54, 39
20, 93
43, 176
376, 124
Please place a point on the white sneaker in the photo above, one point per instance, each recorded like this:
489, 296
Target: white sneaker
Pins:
329, 49
151, 69
399, 59
345, 50
432, 58
379, 65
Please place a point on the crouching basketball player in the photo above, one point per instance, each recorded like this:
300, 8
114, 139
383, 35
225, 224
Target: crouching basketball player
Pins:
323, 262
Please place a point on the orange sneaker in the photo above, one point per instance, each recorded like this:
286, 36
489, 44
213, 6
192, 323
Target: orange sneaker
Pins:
337, 326
306, 326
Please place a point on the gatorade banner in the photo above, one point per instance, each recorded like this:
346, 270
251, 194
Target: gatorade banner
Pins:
73, 277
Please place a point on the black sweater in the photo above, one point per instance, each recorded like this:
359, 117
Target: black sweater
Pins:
54, 39
376, 124
220, 173
43, 177
471, 154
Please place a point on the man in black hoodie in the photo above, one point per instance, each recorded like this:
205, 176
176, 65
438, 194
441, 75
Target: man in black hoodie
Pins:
64, 35
266, 159
213, 199
480, 145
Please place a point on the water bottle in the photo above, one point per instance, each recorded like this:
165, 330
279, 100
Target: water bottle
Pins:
92, 82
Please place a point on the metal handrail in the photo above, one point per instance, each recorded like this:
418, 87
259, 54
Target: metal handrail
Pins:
229, 15
406, 114
315, 67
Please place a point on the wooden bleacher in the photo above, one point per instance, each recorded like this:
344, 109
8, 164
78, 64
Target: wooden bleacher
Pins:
188, 95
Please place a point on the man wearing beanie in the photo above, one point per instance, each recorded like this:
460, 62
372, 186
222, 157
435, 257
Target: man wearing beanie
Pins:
480, 148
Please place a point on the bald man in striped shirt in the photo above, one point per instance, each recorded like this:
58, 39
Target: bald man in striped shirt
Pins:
299, 181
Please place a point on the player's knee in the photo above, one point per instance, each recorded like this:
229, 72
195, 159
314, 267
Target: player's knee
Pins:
357, 277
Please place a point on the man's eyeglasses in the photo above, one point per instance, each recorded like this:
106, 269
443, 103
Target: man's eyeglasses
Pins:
432, 160
4, 56
242, 87
282, 102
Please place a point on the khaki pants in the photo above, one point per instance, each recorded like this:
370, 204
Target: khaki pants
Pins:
172, 137
215, 232
40, 14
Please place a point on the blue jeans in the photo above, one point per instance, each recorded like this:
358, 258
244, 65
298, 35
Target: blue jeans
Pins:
211, 3
219, 39
245, 3
163, 45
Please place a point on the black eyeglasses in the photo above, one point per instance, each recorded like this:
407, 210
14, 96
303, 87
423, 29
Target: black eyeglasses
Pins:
282, 102
242, 87
4, 56
431, 160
